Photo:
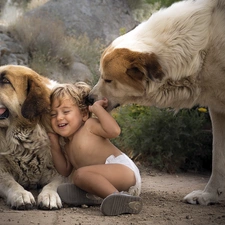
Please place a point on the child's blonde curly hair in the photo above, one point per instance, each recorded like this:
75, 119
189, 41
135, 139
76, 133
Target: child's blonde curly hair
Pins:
78, 92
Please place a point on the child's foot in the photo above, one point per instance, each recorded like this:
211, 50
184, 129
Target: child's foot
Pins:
75, 196
120, 203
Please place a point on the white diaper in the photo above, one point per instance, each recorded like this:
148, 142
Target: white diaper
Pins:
125, 160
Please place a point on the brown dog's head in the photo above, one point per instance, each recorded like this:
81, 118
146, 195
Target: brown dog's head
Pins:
24, 95
124, 76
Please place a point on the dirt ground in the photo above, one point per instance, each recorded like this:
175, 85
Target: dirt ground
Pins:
162, 196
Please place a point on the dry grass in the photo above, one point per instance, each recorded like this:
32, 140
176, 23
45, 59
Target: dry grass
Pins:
44, 38
36, 3
89, 52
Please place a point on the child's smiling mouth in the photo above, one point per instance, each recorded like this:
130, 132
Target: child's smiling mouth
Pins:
62, 125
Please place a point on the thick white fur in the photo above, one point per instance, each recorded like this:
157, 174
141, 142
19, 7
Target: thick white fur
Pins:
188, 40
177, 46
25, 159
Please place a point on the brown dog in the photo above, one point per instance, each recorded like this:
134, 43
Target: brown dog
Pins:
174, 59
25, 159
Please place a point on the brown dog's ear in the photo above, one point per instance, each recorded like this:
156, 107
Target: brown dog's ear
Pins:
146, 65
37, 101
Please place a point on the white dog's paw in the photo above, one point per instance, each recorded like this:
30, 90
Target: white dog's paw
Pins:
201, 197
22, 200
49, 199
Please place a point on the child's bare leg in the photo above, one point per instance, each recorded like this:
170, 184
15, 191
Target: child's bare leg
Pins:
103, 180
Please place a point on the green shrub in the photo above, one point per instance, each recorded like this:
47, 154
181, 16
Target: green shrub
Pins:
163, 3
168, 141
143, 9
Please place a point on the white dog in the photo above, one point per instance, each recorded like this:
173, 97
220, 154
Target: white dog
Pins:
25, 159
175, 59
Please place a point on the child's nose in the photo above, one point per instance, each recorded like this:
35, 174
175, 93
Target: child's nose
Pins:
59, 116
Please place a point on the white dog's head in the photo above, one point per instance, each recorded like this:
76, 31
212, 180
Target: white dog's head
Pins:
157, 60
125, 75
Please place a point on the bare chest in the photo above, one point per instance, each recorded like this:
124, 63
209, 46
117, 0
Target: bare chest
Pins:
89, 149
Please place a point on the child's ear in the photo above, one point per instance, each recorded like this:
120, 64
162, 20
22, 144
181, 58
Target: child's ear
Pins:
85, 116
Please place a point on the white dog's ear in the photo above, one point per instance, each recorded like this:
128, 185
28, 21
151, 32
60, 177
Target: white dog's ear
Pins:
37, 101
146, 65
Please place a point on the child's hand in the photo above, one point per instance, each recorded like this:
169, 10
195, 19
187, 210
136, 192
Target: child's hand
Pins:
103, 103
54, 139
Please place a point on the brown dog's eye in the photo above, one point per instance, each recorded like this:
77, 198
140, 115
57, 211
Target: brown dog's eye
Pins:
108, 81
4, 80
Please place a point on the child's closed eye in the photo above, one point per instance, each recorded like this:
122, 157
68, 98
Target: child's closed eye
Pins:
53, 114
66, 112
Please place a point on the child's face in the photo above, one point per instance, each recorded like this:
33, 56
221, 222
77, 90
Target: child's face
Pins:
66, 117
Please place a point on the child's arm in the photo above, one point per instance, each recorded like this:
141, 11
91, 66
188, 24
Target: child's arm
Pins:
107, 126
61, 162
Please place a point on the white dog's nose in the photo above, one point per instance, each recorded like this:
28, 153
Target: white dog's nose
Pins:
90, 100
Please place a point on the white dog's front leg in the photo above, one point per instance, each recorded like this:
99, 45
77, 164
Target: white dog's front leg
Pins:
16, 196
204, 197
215, 189
49, 198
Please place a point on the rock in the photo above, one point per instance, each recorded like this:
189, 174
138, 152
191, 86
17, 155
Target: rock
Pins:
11, 52
80, 70
99, 19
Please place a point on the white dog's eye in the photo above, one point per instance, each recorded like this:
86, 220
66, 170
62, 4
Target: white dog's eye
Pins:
108, 81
